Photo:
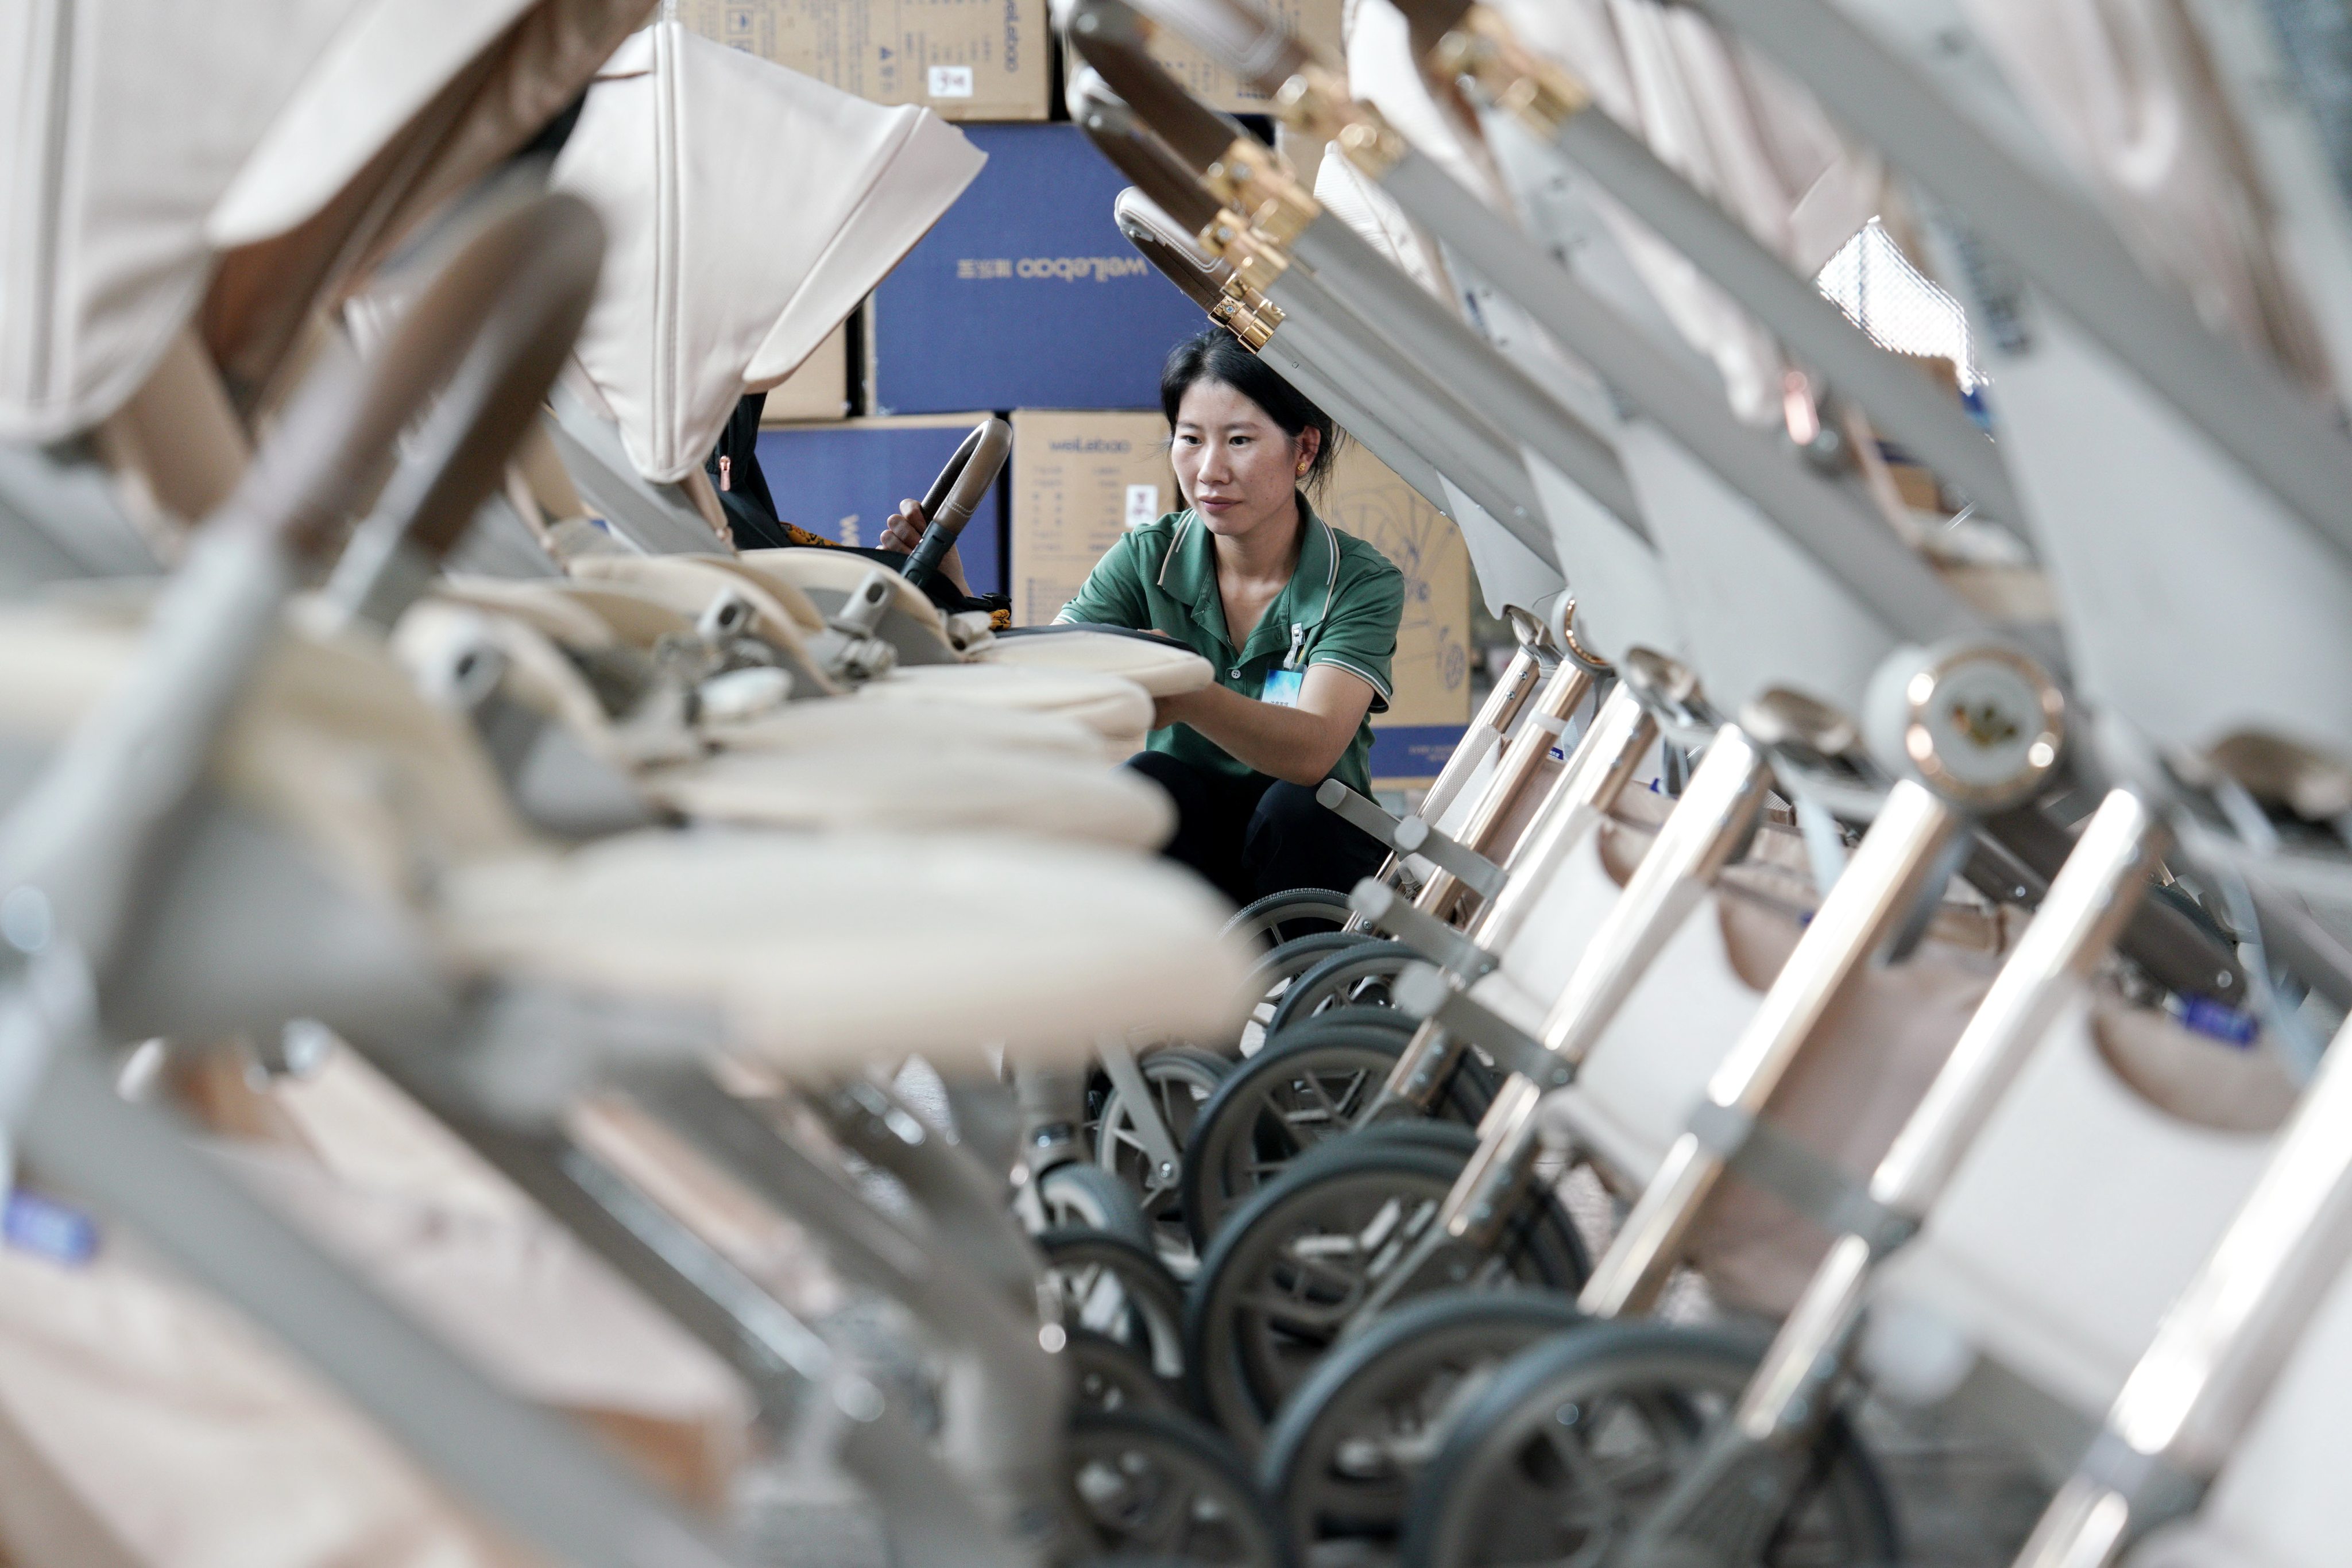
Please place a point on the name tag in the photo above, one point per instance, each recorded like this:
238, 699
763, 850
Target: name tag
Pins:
1281, 687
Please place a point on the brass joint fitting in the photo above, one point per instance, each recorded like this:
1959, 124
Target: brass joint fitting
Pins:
1538, 92
1251, 316
1257, 261
1315, 102
1253, 180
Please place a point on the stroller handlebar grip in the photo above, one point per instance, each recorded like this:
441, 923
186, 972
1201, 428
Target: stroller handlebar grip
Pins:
955, 493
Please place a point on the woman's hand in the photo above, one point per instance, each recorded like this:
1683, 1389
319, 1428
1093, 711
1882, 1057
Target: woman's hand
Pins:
904, 531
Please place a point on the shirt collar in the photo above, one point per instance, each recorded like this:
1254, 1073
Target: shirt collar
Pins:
1189, 573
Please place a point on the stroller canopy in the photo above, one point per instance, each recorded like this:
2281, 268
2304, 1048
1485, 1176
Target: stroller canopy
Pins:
749, 209
145, 138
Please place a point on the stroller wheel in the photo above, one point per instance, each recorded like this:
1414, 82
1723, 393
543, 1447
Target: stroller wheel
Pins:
1290, 1269
1159, 1488
1342, 1458
1296, 912
1181, 1080
1077, 1195
1570, 1448
1356, 976
1311, 1085
1118, 1292
1107, 1375
1276, 972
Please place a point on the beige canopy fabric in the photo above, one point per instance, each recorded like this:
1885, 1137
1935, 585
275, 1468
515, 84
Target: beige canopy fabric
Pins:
125, 124
414, 101
144, 140
1739, 131
749, 208
2125, 90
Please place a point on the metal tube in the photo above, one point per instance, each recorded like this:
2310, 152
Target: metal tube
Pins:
521, 1466
1714, 817
2283, 439
2218, 1349
1523, 757
1848, 542
1392, 305
1881, 885
1006, 1437
2088, 903
1455, 428
1597, 772
1423, 414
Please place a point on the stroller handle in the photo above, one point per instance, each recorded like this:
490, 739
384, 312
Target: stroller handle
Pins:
1164, 180
1240, 33
1113, 40
1147, 229
955, 495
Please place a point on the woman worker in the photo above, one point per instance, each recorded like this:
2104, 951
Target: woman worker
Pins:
1298, 618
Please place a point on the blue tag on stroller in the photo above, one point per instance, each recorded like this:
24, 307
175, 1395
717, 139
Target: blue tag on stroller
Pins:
1281, 687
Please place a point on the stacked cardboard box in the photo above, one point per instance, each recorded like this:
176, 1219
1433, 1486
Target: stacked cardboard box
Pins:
968, 59
1079, 479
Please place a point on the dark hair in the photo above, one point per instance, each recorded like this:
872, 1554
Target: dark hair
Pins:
1216, 355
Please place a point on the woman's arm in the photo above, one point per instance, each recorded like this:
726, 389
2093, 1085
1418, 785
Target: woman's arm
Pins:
1300, 744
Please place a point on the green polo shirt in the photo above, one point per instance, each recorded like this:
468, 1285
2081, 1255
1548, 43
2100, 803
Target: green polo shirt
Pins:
1341, 607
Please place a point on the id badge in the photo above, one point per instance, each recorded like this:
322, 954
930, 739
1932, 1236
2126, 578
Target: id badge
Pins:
1281, 687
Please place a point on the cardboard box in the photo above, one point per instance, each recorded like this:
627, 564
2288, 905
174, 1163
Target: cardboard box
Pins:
1314, 22
845, 477
818, 390
1025, 295
1431, 669
968, 59
1080, 478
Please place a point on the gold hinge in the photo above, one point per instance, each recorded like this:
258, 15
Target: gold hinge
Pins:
1538, 92
1257, 261
1253, 180
1315, 102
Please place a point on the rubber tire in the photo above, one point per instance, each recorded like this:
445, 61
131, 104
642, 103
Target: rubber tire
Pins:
1078, 1195
1264, 917
1420, 1162
1337, 975
1451, 1508
1163, 1207
1371, 1038
1106, 1376
1154, 1331
1285, 963
1207, 1462
1379, 1368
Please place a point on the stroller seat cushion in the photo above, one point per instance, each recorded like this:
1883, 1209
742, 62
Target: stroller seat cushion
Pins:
1163, 672
1117, 710
806, 948
920, 789
818, 726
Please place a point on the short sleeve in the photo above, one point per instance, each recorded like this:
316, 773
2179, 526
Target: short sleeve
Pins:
1360, 634
1112, 594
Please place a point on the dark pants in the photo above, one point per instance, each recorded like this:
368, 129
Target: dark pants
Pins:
1251, 836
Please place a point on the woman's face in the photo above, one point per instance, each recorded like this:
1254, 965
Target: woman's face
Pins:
1236, 467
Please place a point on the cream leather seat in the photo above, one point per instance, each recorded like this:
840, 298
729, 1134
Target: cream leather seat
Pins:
894, 766
800, 947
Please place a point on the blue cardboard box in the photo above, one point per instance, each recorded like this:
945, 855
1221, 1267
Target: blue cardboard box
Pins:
844, 479
1025, 295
